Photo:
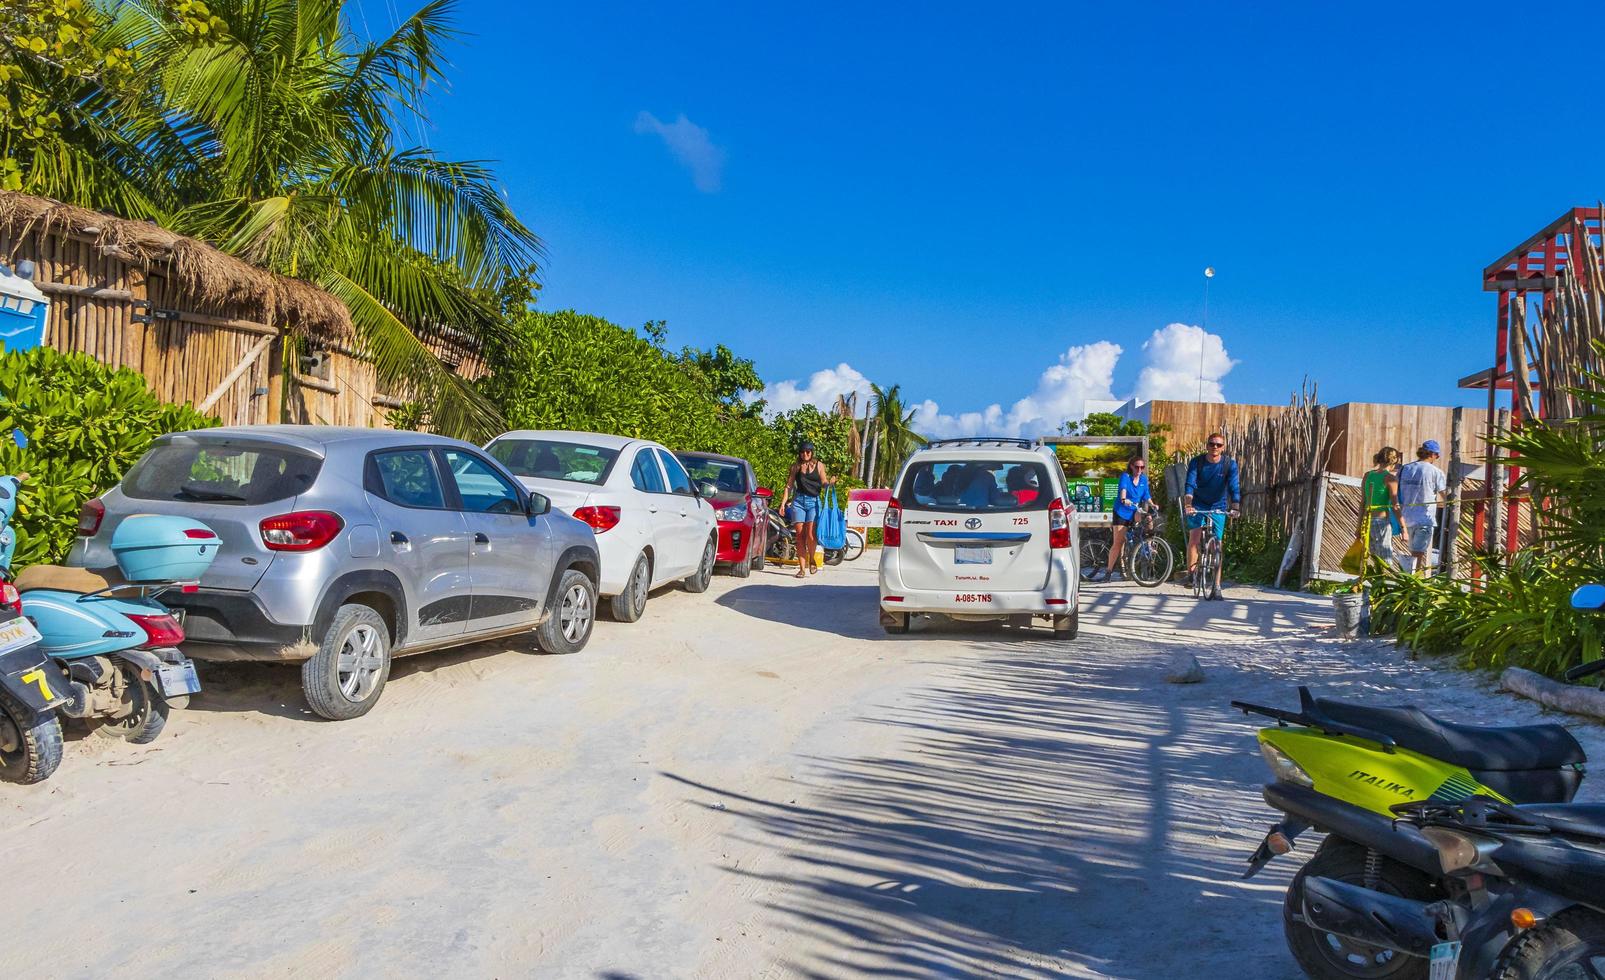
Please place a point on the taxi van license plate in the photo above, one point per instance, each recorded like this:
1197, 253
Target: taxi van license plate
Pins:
972, 556
16, 634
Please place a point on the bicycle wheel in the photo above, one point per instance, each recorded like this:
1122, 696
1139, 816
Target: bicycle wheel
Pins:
1094, 556
1205, 576
1149, 562
855, 544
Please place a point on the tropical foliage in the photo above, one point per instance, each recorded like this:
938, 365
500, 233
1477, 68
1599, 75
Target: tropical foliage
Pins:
84, 425
568, 370
267, 128
1521, 613
891, 436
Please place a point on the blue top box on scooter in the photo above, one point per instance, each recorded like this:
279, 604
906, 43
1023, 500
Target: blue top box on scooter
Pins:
157, 548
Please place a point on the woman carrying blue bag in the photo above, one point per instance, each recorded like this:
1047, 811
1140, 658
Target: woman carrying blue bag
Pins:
806, 480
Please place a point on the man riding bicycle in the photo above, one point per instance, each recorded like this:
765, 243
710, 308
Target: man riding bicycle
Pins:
1212, 493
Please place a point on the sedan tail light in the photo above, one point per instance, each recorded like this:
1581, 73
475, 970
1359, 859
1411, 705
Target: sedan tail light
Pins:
161, 629
600, 518
306, 530
89, 517
892, 530
1058, 525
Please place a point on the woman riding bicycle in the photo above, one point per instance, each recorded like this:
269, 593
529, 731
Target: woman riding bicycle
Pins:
1132, 504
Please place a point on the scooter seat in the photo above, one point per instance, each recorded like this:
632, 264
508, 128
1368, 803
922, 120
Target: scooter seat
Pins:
1574, 819
67, 578
1473, 747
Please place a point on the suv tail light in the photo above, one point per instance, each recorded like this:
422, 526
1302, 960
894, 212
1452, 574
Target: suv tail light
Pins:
306, 530
161, 629
90, 516
600, 518
9, 596
1058, 525
892, 530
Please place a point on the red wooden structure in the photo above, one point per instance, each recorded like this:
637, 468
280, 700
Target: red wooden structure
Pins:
1525, 279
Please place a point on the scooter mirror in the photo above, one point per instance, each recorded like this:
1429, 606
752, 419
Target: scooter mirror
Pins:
1589, 597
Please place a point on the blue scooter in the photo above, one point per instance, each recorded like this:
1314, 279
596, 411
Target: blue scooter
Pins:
116, 644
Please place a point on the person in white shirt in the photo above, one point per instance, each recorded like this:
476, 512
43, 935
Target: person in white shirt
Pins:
1421, 487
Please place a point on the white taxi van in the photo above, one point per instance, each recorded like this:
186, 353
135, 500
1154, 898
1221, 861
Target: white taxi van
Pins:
978, 529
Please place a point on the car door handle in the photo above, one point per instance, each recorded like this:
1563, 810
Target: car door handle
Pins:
481, 538
396, 537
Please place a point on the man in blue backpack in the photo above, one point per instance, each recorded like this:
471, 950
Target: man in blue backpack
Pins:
1212, 492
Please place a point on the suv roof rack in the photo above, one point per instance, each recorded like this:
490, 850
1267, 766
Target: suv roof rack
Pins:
981, 441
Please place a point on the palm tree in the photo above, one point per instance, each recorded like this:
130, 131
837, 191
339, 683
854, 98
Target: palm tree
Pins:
895, 437
278, 136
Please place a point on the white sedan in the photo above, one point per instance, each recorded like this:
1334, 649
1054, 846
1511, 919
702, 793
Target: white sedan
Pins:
653, 525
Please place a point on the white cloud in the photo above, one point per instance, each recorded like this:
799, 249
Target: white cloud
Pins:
690, 145
1184, 363
1083, 373
820, 391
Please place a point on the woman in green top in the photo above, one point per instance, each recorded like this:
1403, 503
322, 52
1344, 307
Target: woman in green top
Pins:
1379, 489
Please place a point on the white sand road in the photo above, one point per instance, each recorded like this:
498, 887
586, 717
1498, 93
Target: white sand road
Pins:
755, 782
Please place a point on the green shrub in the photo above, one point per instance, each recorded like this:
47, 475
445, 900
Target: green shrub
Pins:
85, 425
568, 370
1519, 615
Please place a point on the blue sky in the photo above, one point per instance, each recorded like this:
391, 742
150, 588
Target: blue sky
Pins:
952, 197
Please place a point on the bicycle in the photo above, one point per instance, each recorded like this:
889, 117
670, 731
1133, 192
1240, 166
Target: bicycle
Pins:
1146, 558
855, 544
1209, 559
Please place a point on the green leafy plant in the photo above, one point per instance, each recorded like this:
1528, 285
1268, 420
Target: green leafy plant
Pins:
1516, 615
273, 131
85, 425
568, 370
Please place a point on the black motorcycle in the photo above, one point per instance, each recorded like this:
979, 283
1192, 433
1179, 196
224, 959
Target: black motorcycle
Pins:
32, 686
783, 542
1526, 893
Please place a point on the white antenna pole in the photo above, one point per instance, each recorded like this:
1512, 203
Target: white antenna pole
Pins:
1209, 273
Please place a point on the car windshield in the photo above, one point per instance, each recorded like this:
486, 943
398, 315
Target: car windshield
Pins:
200, 471
729, 476
975, 486
546, 459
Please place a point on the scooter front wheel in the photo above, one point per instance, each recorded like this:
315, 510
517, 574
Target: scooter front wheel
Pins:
29, 753
147, 712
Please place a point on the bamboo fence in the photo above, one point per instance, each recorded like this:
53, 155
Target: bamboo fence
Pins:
1280, 459
1559, 345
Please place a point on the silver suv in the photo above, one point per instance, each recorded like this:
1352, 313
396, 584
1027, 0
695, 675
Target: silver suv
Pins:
344, 547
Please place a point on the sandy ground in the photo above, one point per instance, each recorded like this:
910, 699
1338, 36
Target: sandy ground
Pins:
755, 782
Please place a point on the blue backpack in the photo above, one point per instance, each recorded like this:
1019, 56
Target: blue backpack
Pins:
832, 526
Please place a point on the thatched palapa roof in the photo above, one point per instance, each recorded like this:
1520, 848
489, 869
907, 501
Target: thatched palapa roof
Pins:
204, 273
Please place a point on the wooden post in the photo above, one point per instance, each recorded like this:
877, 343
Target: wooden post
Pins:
1449, 535
1312, 561
1496, 488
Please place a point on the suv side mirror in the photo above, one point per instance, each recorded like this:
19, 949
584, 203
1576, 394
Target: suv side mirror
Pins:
706, 490
537, 504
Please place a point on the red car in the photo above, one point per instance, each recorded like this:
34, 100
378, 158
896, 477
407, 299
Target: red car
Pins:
742, 506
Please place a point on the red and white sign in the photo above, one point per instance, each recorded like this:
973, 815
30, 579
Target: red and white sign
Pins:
867, 508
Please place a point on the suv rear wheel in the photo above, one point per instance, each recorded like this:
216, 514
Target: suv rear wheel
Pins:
1066, 627
346, 676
